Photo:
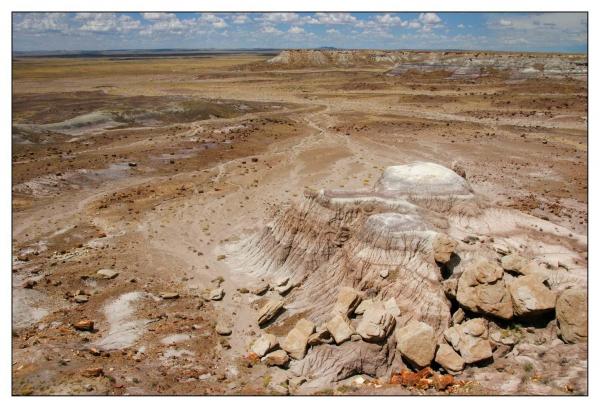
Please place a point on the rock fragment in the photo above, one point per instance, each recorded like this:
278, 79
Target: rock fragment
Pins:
572, 316
416, 342
264, 344
449, 359
269, 311
377, 323
474, 345
340, 328
223, 329
482, 289
276, 358
530, 297
443, 248
347, 300
296, 341
107, 273
84, 325
169, 295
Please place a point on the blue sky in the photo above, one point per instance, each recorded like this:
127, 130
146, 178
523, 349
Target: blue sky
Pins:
566, 32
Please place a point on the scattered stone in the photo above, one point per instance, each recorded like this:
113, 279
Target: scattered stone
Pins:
269, 311
169, 295
347, 300
81, 298
216, 294
377, 323
221, 257
384, 273
449, 359
283, 290
93, 372
530, 297
276, 358
264, 344
243, 290
84, 325
482, 289
340, 328
572, 315
452, 336
280, 282
443, 247
223, 329
416, 342
355, 337
297, 339
501, 249
408, 378
29, 284
260, 289
474, 345
107, 273
295, 382
132, 164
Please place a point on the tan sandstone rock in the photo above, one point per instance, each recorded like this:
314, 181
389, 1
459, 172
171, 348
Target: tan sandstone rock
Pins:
416, 342
571, 313
449, 359
530, 296
482, 289
376, 324
269, 310
276, 358
264, 344
443, 247
297, 339
474, 345
340, 328
347, 300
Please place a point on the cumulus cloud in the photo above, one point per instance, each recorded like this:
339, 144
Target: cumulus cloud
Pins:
106, 22
280, 17
296, 30
505, 23
460, 26
269, 29
429, 19
241, 19
335, 18
215, 21
42, 22
332, 31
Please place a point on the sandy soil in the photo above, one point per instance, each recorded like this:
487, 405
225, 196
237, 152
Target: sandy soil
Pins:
193, 156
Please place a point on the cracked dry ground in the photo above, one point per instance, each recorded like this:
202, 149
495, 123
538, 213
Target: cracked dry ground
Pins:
193, 156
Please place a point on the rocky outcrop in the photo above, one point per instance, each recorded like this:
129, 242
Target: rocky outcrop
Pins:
340, 328
530, 296
443, 247
571, 313
473, 343
482, 289
347, 300
416, 343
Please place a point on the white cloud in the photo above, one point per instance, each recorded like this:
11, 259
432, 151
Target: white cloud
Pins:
332, 31
42, 22
280, 17
389, 20
296, 30
215, 21
460, 26
414, 24
106, 22
335, 18
241, 19
268, 29
429, 19
505, 23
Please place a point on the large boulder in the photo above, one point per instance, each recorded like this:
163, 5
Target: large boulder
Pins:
449, 359
340, 328
297, 339
482, 289
473, 344
348, 299
269, 310
376, 324
416, 342
264, 344
571, 313
514, 263
530, 296
443, 246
